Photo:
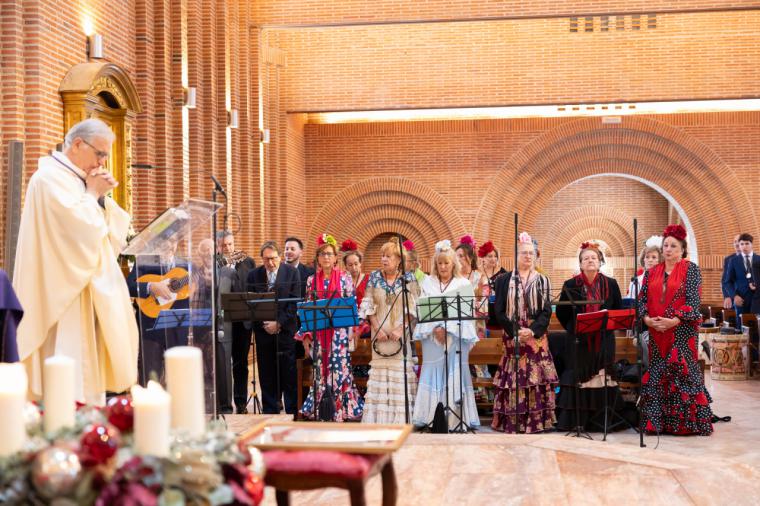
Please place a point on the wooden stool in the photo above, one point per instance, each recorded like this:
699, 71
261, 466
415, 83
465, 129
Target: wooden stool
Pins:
309, 470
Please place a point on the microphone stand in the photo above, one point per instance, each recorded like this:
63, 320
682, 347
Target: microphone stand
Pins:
515, 336
637, 331
406, 326
218, 189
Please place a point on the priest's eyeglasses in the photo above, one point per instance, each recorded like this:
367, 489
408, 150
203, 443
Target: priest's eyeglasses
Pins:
100, 154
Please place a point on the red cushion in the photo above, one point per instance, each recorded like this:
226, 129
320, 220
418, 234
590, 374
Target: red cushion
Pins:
319, 463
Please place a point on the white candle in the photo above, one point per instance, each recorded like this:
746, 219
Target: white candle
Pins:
184, 381
59, 401
151, 408
13, 385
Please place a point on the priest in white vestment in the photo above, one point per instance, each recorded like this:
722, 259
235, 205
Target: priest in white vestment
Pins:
67, 276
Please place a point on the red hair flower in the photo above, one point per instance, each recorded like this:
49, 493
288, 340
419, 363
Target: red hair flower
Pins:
589, 245
408, 245
676, 231
467, 239
349, 245
485, 249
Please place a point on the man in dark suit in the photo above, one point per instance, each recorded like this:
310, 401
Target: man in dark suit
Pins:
727, 302
293, 252
275, 346
153, 343
240, 331
740, 282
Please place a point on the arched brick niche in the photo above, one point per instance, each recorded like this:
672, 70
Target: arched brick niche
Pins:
643, 148
376, 207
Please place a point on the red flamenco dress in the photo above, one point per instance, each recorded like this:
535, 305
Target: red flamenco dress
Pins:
675, 400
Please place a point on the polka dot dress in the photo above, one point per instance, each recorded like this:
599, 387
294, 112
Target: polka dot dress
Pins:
674, 397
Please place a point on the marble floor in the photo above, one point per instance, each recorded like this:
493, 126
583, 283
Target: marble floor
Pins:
492, 468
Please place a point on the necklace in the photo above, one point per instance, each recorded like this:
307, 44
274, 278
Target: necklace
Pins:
390, 281
446, 286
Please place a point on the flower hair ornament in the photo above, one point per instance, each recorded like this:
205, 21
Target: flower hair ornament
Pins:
589, 245
467, 239
485, 249
444, 245
408, 245
524, 238
348, 245
327, 239
676, 231
654, 242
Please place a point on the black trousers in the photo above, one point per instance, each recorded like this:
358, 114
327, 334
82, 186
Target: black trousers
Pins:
151, 349
241, 345
266, 357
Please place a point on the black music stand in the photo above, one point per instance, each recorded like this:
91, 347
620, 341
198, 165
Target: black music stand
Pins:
579, 430
171, 318
601, 322
615, 319
325, 314
445, 308
236, 308
262, 307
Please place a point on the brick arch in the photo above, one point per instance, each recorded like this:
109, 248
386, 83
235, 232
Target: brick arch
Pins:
376, 206
641, 147
566, 243
603, 222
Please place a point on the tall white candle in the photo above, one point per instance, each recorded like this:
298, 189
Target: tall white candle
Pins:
151, 407
13, 385
184, 381
59, 401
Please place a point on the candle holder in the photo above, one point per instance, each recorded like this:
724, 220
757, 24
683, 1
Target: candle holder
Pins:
93, 461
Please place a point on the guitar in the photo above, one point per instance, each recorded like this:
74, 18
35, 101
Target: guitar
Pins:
151, 305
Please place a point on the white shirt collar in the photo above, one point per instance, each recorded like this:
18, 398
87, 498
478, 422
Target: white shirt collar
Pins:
61, 157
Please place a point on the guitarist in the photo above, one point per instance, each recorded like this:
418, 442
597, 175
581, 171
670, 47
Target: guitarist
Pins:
153, 343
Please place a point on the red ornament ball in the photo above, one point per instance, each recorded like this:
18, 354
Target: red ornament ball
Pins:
254, 487
98, 444
120, 413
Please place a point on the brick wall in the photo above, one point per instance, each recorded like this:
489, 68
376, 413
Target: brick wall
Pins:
305, 12
522, 61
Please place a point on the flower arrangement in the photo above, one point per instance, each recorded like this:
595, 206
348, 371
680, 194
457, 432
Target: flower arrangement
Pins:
94, 463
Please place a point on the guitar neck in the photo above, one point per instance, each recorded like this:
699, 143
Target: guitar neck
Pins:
177, 284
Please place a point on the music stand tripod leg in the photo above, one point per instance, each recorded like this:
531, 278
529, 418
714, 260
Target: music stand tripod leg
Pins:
256, 407
462, 426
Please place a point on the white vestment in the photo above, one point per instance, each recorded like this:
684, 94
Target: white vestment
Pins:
68, 280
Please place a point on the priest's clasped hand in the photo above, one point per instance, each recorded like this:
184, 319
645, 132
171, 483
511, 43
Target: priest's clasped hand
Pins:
100, 182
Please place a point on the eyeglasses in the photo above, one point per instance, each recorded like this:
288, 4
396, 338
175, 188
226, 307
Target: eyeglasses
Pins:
100, 154
327, 254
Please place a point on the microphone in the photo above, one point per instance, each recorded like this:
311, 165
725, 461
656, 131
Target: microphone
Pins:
218, 186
